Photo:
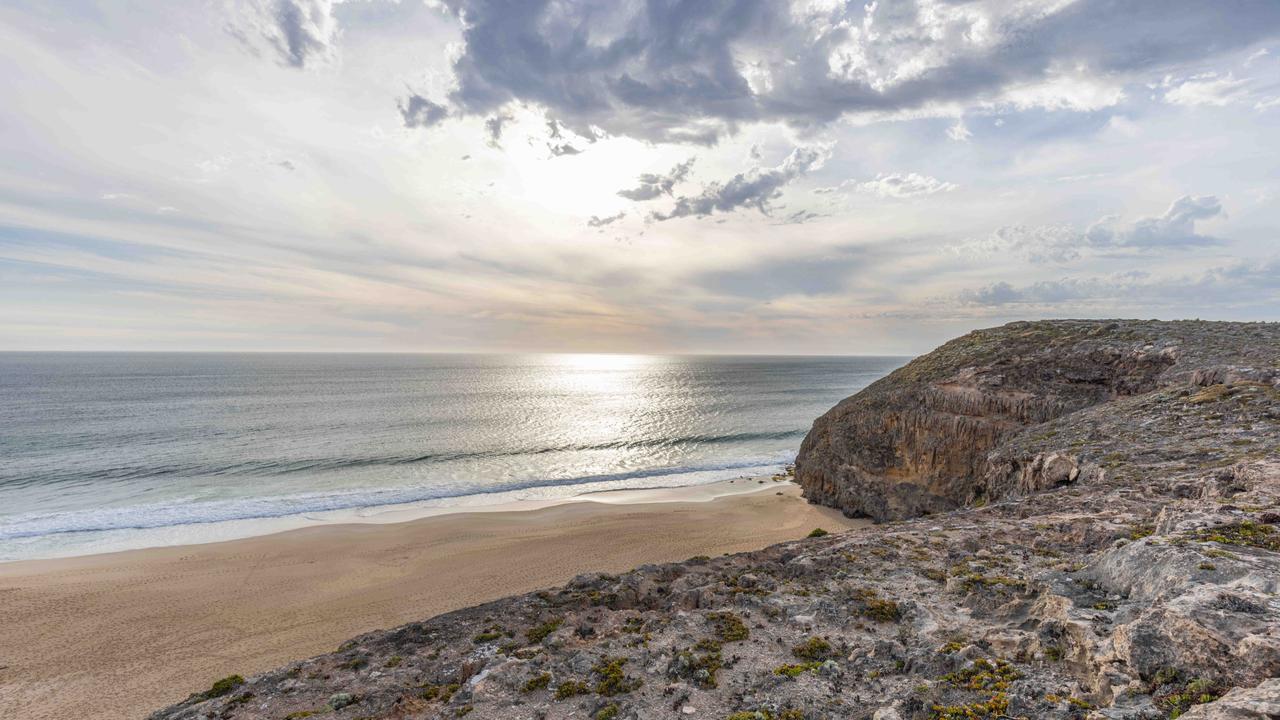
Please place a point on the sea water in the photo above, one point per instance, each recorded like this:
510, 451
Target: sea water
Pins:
106, 451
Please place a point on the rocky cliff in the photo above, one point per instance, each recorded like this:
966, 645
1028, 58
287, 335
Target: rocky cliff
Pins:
1105, 543
921, 440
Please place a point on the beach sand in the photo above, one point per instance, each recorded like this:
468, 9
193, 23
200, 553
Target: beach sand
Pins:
122, 634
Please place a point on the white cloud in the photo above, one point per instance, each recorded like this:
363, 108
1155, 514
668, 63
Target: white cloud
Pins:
302, 33
1206, 89
1175, 229
756, 188
959, 131
894, 185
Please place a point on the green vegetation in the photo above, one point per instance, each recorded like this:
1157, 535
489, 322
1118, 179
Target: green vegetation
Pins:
983, 675
487, 636
1175, 697
1245, 533
994, 707
439, 692
729, 627
612, 680
224, 686
540, 632
1141, 530
817, 532
702, 662
790, 714
569, 688
608, 712
793, 670
393, 661
813, 649
874, 607
538, 682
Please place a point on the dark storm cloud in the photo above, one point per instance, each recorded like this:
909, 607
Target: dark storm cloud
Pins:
652, 185
692, 71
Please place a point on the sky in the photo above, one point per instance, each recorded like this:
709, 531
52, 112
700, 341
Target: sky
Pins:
669, 176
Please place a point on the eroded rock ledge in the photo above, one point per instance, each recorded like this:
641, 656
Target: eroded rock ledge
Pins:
921, 440
1125, 563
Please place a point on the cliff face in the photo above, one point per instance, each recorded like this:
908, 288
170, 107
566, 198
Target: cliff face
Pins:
1126, 566
919, 440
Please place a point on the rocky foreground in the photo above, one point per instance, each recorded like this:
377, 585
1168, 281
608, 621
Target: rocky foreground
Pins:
1082, 520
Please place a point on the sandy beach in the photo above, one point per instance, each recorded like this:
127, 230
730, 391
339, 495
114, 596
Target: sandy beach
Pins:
118, 635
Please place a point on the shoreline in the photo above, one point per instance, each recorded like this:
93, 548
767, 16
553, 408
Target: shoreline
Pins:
108, 541
106, 634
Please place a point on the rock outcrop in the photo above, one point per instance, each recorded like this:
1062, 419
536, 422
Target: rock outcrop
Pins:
919, 441
1124, 564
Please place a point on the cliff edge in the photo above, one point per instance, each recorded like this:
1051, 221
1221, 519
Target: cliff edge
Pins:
921, 440
1104, 545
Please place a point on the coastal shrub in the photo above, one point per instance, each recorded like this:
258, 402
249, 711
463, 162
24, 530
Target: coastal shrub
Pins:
439, 692
794, 670
881, 610
569, 688
813, 649
1245, 533
355, 663
538, 682
540, 632
224, 686
983, 675
612, 680
817, 532
486, 636
789, 714
700, 663
608, 712
393, 661
729, 627
994, 707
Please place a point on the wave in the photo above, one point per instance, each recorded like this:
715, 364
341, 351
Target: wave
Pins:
268, 467
191, 511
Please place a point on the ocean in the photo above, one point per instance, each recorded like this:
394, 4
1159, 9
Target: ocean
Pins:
109, 451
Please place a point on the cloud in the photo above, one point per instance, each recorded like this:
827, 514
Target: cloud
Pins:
695, 71
652, 185
1206, 89
559, 149
1173, 230
302, 33
756, 188
959, 131
419, 112
896, 185
602, 221
1236, 283
493, 127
